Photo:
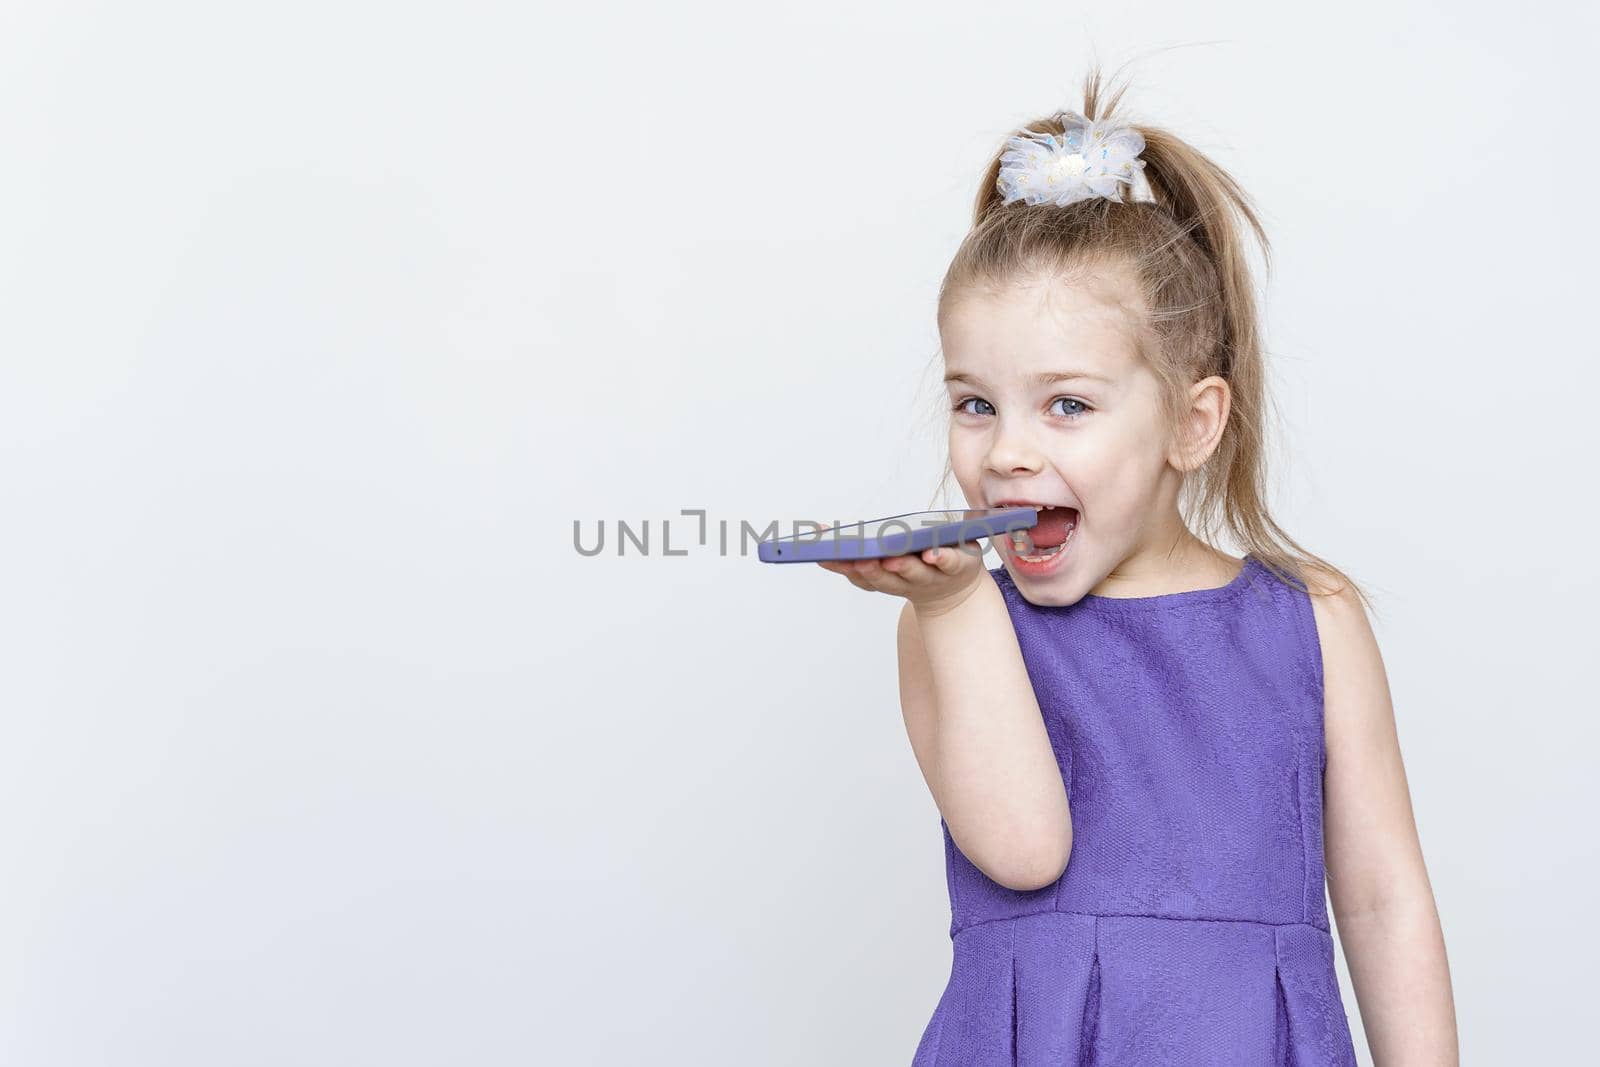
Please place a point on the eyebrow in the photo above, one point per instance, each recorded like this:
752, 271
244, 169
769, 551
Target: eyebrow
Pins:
1042, 378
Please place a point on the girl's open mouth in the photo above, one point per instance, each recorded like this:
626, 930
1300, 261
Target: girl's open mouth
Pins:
1037, 549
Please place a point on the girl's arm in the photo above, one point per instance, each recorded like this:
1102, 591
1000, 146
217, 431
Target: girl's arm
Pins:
1382, 899
980, 740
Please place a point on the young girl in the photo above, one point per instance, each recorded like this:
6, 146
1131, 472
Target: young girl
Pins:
1143, 749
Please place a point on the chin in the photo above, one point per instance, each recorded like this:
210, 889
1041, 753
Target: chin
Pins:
1053, 591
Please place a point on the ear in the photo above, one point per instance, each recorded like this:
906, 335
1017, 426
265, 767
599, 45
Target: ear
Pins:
1202, 423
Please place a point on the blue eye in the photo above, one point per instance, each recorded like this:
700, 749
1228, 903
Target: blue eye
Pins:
1082, 409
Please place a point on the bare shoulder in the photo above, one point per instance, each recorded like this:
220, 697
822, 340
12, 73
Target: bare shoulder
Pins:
1339, 610
1350, 656
1342, 622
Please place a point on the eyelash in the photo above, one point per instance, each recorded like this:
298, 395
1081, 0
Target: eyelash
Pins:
960, 406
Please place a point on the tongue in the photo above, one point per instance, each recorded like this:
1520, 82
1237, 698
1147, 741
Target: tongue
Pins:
1053, 527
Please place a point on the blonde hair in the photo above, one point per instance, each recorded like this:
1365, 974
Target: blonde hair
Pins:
1187, 252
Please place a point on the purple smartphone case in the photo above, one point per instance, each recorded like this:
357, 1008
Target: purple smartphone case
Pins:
907, 538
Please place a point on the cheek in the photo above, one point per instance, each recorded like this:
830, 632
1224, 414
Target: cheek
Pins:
966, 454
965, 463
1115, 470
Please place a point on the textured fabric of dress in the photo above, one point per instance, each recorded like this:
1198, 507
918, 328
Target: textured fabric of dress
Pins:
1190, 925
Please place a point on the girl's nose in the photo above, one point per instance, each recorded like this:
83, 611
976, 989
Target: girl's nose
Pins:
1012, 453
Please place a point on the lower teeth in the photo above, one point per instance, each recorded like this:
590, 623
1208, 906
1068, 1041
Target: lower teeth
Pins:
1043, 555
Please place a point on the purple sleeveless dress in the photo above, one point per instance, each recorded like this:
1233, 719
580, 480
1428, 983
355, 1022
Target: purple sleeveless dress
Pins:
1190, 925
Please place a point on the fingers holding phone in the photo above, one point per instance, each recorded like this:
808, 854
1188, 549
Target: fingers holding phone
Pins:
934, 580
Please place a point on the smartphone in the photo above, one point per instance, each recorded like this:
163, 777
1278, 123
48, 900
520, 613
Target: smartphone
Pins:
897, 535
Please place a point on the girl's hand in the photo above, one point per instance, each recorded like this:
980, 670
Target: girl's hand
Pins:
936, 581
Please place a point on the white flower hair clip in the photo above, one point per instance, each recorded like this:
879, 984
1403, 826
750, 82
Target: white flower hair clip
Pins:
1088, 159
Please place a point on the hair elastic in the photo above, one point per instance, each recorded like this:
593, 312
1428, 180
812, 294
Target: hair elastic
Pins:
1087, 159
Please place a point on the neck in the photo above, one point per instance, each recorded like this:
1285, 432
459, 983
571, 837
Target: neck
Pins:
1174, 561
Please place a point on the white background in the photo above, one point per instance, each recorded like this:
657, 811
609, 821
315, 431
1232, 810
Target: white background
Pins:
322, 324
